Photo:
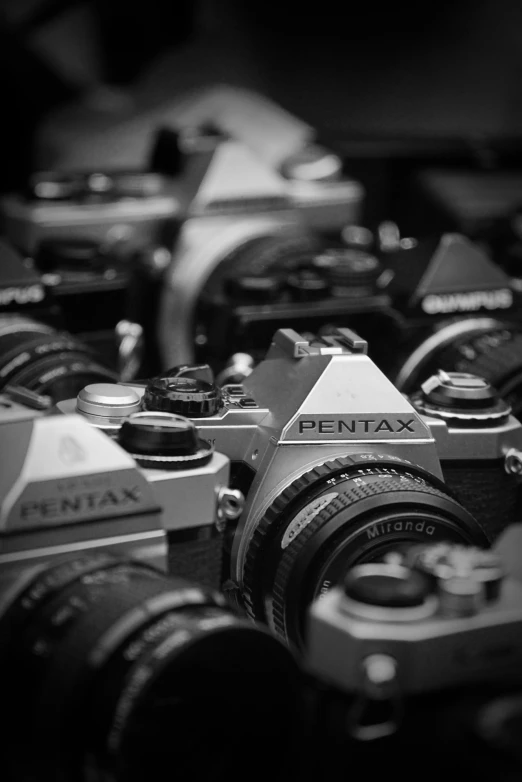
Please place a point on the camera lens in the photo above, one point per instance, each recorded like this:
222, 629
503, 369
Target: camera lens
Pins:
113, 671
46, 361
479, 346
349, 511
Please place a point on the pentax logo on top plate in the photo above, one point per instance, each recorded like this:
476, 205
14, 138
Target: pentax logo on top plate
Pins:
87, 504
336, 427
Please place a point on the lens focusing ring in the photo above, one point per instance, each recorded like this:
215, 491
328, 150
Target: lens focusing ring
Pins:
280, 578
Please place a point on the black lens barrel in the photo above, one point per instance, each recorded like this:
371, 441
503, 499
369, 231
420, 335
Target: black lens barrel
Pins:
108, 667
351, 510
38, 357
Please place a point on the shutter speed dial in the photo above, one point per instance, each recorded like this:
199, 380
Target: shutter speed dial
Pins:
186, 396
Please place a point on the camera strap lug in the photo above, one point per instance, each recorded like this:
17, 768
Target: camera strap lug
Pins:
378, 708
513, 462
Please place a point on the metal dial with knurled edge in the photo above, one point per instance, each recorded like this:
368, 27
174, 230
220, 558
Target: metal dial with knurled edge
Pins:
186, 396
496, 356
343, 512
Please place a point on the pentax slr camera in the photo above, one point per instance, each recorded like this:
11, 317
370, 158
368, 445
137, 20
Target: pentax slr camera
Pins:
422, 649
337, 466
68, 487
102, 655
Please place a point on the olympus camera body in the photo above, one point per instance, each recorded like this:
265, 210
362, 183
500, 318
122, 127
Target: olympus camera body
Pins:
87, 235
67, 489
422, 306
338, 466
456, 310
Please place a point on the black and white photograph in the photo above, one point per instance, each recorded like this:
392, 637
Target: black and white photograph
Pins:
260, 391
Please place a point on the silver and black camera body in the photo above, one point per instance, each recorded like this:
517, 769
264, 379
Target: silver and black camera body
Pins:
455, 309
217, 204
422, 304
67, 488
105, 648
337, 466
423, 649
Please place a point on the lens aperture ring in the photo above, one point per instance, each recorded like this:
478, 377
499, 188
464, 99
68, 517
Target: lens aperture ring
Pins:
352, 501
358, 500
276, 514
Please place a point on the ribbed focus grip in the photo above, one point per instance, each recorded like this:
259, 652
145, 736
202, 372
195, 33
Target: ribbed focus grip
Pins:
350, 497
495, 356
338, 514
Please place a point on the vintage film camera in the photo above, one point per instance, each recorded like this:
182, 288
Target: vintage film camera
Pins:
456, 310
67, 487
61, 331
36, 349
422, 650
89, 236
103, 655
422, 305
337, 466
243, 212
165, 234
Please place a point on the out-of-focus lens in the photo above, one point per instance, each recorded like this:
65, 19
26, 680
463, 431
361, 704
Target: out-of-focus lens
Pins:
111, 670
46, 361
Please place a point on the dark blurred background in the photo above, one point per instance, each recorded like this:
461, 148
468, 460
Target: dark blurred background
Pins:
438, 71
